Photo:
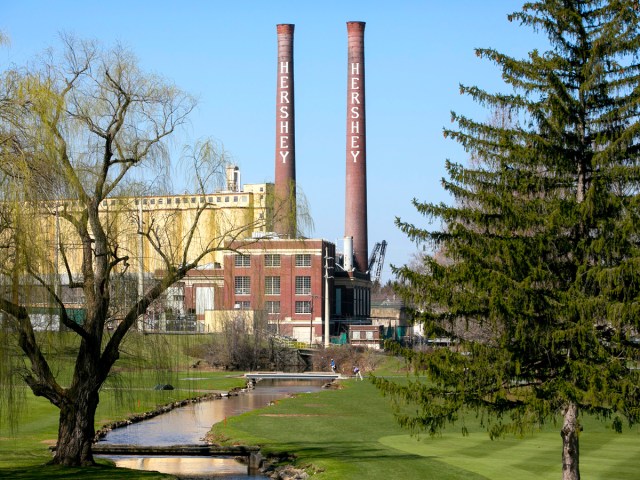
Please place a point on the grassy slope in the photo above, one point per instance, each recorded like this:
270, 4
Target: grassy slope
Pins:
351, 434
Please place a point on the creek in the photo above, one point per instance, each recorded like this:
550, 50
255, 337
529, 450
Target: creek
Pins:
190, 424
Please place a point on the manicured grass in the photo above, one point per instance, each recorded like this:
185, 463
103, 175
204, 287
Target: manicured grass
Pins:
344, 434
351, 434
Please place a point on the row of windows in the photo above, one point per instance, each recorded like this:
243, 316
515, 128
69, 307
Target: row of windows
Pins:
272, 285
273, 260
273, 307
169, 201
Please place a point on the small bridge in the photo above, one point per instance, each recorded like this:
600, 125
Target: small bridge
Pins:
251, 453
292, 376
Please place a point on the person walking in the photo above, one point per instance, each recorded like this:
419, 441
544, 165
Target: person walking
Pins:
333, 366
356, 372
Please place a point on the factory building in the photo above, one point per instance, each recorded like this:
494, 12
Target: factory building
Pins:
264, 272
299, 287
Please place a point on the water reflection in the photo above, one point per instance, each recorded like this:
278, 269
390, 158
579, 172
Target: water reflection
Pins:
187, 466
190, 424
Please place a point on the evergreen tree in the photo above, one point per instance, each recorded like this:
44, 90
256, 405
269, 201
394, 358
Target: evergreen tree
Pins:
542, 242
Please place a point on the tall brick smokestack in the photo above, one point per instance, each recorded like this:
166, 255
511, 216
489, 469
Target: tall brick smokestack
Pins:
356, 178
285, 171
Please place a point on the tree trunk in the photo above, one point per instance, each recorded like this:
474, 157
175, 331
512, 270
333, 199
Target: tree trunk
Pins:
76, 430
570, 450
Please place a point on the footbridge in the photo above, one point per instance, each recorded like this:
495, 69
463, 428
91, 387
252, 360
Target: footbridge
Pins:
254, 458
255, 376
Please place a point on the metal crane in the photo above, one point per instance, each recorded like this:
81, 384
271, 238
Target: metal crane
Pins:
376, 260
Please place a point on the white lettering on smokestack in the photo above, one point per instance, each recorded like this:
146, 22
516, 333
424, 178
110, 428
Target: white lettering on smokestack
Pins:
283, 147
354, 103
284, 191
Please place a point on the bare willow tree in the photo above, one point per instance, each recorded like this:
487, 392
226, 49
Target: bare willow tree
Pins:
80, 131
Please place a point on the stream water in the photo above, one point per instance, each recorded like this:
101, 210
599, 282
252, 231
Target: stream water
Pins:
189, 425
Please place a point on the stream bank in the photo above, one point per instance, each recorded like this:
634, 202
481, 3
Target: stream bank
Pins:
189, 421
103, 431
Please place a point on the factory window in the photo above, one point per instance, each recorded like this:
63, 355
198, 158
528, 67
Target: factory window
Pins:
303, 285
272, 260
235, 199
272, 307
219, 199
226, 199
160, 200
303, 307
355, 335
168, 201
369, 335
272, 285
243, 305
243, 260
243, 285
303, 260
177, 200
144, 201
193, 199
153, 201
210, 200
137, 202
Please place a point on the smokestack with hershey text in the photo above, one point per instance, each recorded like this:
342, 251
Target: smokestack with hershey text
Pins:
285, 167
356, 174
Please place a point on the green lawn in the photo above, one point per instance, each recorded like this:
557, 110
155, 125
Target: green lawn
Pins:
347, 434
23, 452
351, 434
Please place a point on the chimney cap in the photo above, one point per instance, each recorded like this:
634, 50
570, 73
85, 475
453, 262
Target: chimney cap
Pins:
285, 28
355, 26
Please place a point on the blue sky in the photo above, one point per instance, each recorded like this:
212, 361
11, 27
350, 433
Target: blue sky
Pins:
224, 52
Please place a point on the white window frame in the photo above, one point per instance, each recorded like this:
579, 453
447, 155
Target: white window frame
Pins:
272, 307
303, 285
272, 285
272, 260
303, 306
242, 285
303, 259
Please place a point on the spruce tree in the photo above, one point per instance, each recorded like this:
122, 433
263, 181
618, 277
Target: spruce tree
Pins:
540, 286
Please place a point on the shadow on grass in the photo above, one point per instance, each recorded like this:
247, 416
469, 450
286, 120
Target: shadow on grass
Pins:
98, 472
349, 451
378, 458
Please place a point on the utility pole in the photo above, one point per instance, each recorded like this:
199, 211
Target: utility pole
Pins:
326, 297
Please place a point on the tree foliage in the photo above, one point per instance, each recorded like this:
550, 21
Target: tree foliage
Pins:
78, 130
542, 242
